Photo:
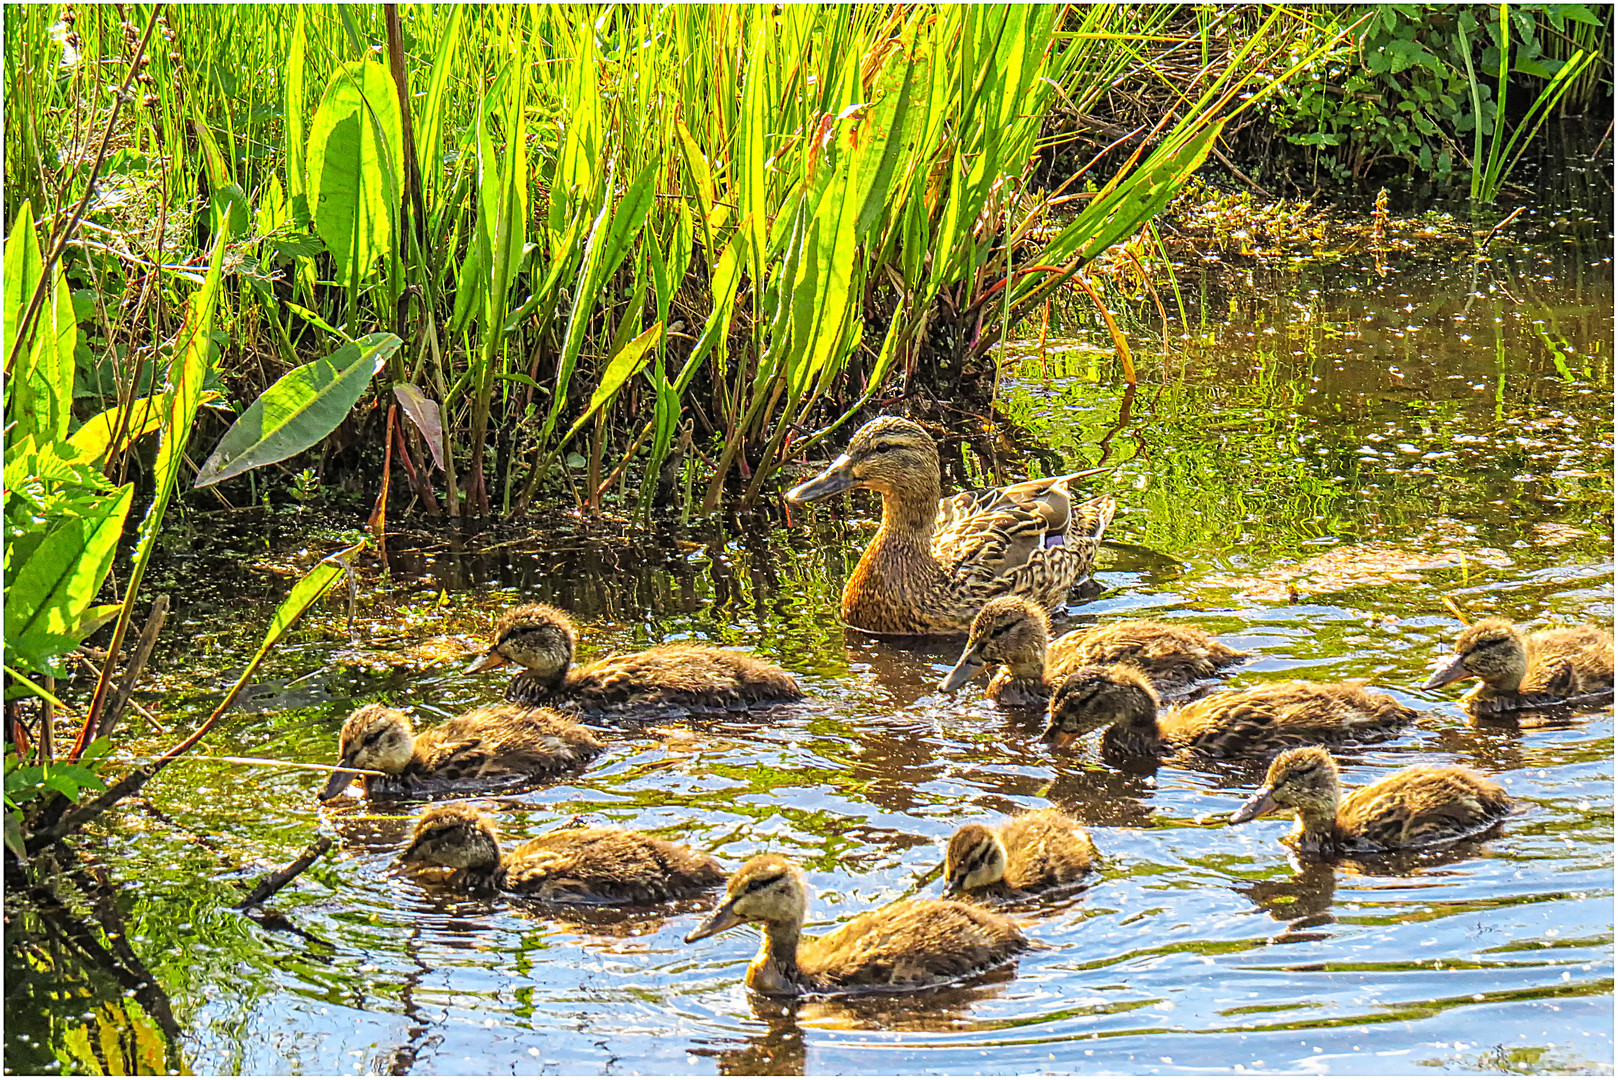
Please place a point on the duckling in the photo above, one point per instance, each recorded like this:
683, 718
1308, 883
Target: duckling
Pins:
674, 676
1015, 633
1522, 671
935, 562
491, 745
1420, 806
1032, 852
905, 946
1253, 720
564, 866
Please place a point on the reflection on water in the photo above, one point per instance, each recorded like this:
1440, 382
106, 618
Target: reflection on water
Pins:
1335, 452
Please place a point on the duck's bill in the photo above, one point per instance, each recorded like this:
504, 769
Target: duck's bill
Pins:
965, 670
486, 662
723, 918
1259, 805
1057, 738
953, 889
838, 476
1452, 671
412, 853
337, 784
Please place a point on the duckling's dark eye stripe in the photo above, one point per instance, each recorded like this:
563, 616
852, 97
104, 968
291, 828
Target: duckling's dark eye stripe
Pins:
764, 883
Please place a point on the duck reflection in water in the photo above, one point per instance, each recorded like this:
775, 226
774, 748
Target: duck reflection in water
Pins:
781, 1047
1305, 899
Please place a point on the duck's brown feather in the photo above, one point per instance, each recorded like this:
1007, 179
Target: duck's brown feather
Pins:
1263, 719
1045, 849
607, 866
495, 744
1170, 654
1418, 807
695, 677
909, 943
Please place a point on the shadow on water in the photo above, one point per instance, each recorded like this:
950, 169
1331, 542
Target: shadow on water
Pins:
1334, 452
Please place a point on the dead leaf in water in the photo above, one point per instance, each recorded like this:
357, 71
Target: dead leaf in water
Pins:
1555, 534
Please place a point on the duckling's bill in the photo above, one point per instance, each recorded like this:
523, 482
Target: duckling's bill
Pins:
965, 670
1454, 669
723, 918
1263, 802
337, 784
1055, 737
486, 662
838, 476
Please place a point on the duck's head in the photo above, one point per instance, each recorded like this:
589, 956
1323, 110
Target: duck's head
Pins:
890, 455
1098, 696
454, 835
537, 637
767, 889
1010, 630
1303, 779
1492, 650
976, 858
373, 737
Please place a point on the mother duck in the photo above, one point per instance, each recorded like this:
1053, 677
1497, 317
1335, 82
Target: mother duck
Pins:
936, 561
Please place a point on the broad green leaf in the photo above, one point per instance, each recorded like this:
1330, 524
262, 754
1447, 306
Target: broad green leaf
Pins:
46, 597
43, 387
95, 435
23, 267
301, 408
353, 158
630, 359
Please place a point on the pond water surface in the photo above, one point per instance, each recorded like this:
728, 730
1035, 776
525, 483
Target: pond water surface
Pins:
1332, 453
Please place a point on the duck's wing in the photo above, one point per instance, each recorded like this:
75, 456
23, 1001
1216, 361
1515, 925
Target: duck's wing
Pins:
1014, 550
1047, 503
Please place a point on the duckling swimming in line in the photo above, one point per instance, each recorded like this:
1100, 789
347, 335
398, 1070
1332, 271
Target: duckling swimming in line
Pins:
935, 562
1524, 671
1420, 806
1031, 852
678, 675
492, 745
907, 945
564, 866
1252, 720
1015, 633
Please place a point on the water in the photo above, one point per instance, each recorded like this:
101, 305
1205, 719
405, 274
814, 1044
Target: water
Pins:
1331, 454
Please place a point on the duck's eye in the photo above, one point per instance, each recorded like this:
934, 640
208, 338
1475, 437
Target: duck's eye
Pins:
884, 447
371, 739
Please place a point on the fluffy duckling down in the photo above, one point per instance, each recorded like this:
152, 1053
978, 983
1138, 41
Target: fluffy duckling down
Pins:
907, 945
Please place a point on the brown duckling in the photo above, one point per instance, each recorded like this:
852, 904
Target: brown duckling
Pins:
676, 676
1257, 719
1015, 633
1421, 806
1031, 852
905, 946
490, 746
934, 562
1524, 671
564, 866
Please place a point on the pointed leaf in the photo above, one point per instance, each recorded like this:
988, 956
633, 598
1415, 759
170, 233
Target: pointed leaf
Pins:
303, 407
423, 412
